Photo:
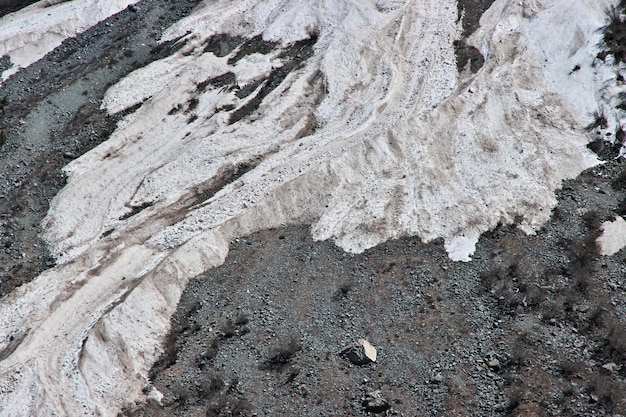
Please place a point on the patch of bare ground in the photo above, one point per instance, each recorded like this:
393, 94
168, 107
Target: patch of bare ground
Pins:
9, 6
469, 12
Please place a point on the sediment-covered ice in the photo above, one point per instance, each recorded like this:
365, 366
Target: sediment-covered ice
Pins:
370, 135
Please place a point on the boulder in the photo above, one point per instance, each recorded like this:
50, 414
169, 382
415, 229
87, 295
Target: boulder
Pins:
360, 352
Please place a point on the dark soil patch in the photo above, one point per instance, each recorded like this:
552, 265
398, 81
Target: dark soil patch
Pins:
254, 45
468, 54
470, 12
5, 63
223, 80
222, 44
10, 6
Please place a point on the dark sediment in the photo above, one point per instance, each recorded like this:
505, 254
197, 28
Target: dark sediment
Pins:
470, 12
9, 6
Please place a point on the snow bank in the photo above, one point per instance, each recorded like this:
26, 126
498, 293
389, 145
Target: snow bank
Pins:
613, 237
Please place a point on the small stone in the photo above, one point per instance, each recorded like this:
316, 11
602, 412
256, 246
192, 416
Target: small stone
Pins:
501, 407
438, 378
374, 402
494, 363
611, 367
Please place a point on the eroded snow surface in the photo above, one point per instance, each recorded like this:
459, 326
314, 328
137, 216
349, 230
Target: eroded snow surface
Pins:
372, 137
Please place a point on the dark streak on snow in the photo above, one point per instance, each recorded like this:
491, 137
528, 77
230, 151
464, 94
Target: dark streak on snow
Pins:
293, 56
470, 12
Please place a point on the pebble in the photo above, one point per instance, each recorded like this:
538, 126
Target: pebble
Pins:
494, 363
438, 378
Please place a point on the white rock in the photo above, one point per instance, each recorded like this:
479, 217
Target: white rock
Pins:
613, 237
370, 351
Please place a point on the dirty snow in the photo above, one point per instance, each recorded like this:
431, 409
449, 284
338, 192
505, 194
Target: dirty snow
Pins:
30, 33
401, 145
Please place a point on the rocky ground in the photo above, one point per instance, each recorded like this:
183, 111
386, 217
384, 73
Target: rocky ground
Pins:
534, 325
